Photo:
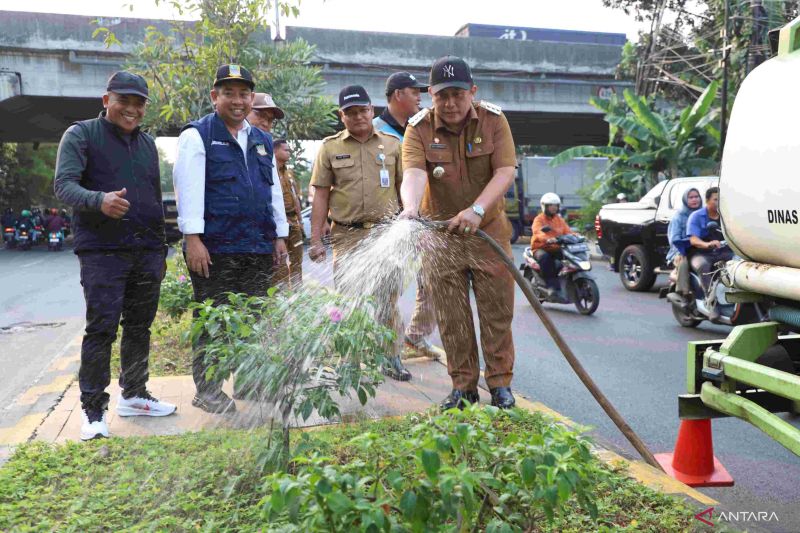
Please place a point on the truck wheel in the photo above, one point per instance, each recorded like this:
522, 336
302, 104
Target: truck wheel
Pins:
516, 231
635, 270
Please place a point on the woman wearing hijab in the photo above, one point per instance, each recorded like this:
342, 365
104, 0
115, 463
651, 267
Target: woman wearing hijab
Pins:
679, 239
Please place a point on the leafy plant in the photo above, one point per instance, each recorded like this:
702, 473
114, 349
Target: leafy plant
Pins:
457, 471
295, 350
645, 145
176, 288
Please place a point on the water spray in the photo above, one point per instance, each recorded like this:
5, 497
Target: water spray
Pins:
573, 361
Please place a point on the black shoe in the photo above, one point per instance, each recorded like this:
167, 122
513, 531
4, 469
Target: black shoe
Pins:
456, 398
394, 368
502, 397
215, 403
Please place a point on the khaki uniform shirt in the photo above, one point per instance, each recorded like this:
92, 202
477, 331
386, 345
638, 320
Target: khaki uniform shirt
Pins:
353, 169
459, 164
290, 193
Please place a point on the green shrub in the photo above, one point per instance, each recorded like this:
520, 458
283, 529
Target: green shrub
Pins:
176, 289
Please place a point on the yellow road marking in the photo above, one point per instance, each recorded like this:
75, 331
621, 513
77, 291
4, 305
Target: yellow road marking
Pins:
62, 363
59, 384
22, 430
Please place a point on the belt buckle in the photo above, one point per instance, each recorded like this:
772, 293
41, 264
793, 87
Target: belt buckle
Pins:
368, 225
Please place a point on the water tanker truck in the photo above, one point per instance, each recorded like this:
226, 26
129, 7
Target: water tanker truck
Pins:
753, 374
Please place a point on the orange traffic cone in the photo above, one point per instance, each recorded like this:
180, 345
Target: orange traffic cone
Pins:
693, 461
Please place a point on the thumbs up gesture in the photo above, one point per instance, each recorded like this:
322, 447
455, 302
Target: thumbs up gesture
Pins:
114, 204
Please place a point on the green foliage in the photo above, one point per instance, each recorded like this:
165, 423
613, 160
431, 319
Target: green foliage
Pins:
211, 481
296, 349
176, 289
26, 175
646, 145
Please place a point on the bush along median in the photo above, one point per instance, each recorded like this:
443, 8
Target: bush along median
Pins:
476, 470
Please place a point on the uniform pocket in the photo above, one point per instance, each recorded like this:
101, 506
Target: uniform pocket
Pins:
222, 165
265, 165
440, 159
479, 160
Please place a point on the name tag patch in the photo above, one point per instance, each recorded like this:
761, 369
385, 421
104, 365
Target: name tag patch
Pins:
342, 156
438, 146
220, 143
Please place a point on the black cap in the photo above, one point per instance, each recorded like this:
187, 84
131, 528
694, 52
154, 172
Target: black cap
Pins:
450, 71
401, 80
234, 73
124, 82
353, 95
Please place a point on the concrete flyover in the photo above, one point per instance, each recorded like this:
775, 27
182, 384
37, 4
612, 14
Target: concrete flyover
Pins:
52, 72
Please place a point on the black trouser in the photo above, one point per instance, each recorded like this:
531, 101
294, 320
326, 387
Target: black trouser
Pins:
547, 260
126, 285
239, 273
704, 260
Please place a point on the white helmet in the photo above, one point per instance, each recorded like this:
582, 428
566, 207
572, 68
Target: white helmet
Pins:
549, 198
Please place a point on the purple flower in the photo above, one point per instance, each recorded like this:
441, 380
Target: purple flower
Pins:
181, 278
334, 313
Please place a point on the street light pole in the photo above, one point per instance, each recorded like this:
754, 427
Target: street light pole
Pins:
724, 114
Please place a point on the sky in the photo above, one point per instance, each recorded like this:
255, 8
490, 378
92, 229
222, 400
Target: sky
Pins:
407, 16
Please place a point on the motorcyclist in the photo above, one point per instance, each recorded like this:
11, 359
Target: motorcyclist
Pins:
9, 218
25, 221
38, 222
679, 240
707, 248
544, 244
55, 223
622, 198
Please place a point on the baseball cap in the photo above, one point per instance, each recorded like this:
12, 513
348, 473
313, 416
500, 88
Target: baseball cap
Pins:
450, 71
265, 101
234, 73
353, 95
401, 80
124, 82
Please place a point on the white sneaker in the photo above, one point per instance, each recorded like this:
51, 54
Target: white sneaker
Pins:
143, 405
93, 424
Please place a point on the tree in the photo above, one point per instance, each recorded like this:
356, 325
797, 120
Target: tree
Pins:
179, 66
645, 145
26, 175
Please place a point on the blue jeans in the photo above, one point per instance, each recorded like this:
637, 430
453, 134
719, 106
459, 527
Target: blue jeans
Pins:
118, 285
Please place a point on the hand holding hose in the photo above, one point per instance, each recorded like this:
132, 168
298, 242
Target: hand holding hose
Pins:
467, 221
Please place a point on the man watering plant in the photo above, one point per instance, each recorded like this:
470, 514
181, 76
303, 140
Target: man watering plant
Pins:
459, 161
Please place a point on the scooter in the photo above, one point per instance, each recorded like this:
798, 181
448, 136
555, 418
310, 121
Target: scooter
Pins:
575, 284
23, 237
55, 241
9, 237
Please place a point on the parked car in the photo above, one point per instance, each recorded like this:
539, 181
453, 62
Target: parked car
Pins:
633, 235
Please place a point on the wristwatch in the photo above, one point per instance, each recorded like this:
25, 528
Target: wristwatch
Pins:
478, 210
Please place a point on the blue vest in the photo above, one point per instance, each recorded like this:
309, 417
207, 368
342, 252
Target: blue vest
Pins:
238, 199
381, 125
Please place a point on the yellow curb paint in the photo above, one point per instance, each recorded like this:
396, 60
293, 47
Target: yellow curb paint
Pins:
22, 430
59, 384
62, 363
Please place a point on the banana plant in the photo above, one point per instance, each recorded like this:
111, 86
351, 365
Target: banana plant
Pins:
645, 146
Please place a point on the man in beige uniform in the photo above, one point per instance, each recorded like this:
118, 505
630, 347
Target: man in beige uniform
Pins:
356, 177
459, 161
290, 274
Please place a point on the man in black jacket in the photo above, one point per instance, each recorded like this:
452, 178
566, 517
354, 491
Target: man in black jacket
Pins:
107, 169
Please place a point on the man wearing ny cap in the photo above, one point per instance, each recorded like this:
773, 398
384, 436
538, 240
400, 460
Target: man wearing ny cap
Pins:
230, 210
107, 170
459, 161
356, 178
402, 102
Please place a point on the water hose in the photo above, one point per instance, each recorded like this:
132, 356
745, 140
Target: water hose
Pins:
576, 365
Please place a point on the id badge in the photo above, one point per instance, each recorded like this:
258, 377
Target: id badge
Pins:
385, 178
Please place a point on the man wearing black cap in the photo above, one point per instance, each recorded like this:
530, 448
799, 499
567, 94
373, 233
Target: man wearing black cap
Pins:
356, 178
107, 170
230, 210
402, 102
459, 161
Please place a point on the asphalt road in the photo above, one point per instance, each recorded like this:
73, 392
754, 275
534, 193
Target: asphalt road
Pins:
632, 347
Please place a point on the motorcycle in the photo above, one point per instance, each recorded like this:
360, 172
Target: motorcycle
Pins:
55, 241
23, 238
575, 284
10, 237
37, 234
690, 310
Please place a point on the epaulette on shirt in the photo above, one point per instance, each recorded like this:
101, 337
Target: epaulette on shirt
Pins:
416, 119
334, 136
490, 107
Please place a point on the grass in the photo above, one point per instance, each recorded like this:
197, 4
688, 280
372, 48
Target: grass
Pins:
210, 481
170, 352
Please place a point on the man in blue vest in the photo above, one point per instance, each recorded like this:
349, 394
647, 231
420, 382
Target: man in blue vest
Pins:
230, 210
403, 98
107, 170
